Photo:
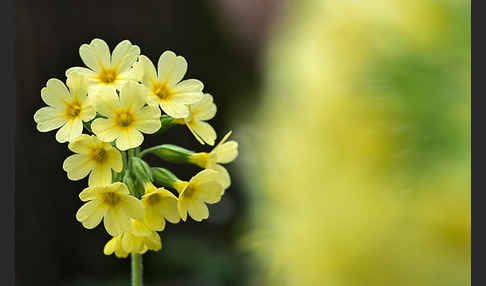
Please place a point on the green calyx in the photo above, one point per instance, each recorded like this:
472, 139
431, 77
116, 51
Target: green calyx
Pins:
164, 177
169, 153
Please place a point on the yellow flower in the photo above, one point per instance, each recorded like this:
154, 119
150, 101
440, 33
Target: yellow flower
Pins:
115, 245
199, 112
223, 153
165, 88
105, 69
95, 158
126, 116
140, 239
160, 205
113, 204
66, 108
205, 187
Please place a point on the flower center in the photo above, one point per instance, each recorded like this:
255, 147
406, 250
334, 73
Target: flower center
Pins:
107, 76
99, 155
162, 91
124, 119
73, 110
153, 199
189, 191
111, 198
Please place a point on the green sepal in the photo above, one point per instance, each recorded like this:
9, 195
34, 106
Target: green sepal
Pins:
166, 123
135, 187
164, 177
141, 170
170, 153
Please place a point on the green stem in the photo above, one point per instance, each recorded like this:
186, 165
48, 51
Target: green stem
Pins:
137, 270
137, 279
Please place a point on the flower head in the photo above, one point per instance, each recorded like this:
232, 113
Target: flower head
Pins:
95, 157
113, 204
105, 69
127, 117
205, 187
67, 109
200, 112
160, 205
223, 153
165, 87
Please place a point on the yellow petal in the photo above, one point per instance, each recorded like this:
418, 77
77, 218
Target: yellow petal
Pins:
86, 210
114, 159
105, 129
128, 139
176, 110
181, 208
111, 245
100, 176
69, 131
225, 178
171, 68
80, 70
82, 144
89, 193
148, 119
49, 118
132, 96
78, 166
95, 218
106, 101
205, 109
189, 87
55, 93
124, 55
204, 130
209, 192
133, 207
226, 152
197, 210
153, 242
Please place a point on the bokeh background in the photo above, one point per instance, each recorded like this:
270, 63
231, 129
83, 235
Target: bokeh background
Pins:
353, 123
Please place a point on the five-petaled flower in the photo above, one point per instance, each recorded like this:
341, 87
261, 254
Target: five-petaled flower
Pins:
127, 117
95, 157
200, 112
105, 69
66, 108
113, 204
204, 187
165, 87
160, 205
223, 153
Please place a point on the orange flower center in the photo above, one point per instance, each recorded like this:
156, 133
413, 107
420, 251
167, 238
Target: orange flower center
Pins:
107, 76
162, 91
124, 119
111, 198
73, 110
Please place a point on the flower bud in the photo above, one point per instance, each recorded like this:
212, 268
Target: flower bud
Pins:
141, 170
164, 177
170, 153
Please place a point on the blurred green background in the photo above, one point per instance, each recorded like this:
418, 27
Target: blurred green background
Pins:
353, 124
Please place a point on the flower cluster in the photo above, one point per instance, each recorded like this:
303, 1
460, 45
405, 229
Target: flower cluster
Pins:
117, 98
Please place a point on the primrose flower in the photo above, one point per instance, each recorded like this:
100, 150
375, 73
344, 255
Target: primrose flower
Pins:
140, 239
160, 205
204, 187
67, 109
199, 112
113, 204
105, 69
127, 117
114, 245
165, 87
223, 153
95, 158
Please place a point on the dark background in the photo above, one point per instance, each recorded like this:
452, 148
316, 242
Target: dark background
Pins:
223, 43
